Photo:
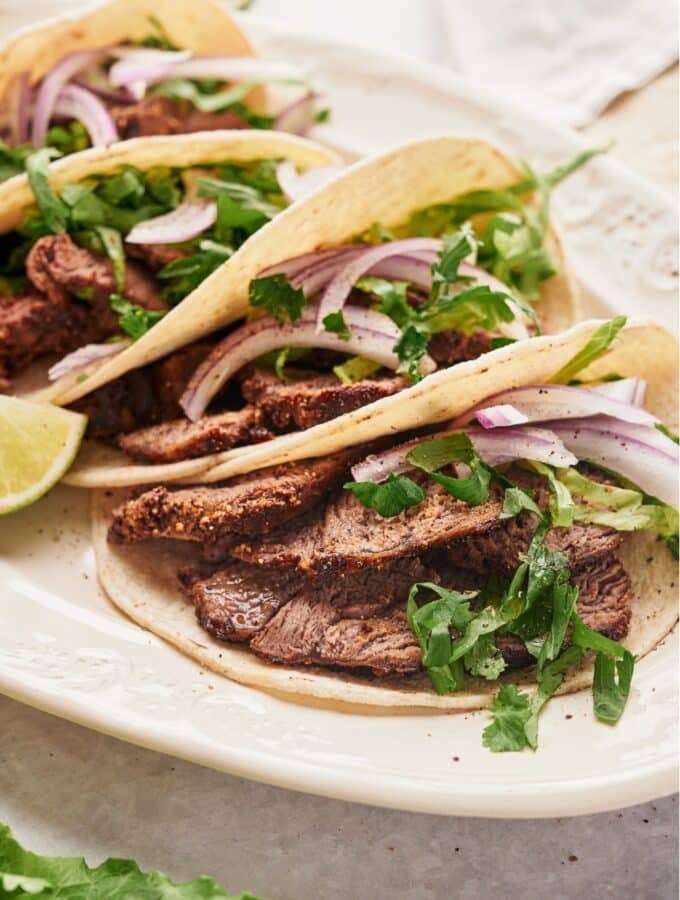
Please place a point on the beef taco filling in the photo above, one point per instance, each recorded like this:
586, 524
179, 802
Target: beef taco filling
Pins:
339, 328
96, 96
491, 546
94, 267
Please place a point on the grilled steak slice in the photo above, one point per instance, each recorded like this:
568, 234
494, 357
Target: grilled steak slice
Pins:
32, 325
311, 399
252, 504
163, 115
59, 267
238, 600
343, 535
155, 255
143, 396
500, 550
450, 347
311, 632
182, 439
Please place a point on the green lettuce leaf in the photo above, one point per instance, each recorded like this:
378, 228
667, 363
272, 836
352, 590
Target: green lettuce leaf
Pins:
596, 346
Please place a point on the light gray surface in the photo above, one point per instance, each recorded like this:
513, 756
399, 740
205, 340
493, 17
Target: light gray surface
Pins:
67, 790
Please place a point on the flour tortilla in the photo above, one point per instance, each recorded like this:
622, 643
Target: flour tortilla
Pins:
386, 188
140, 579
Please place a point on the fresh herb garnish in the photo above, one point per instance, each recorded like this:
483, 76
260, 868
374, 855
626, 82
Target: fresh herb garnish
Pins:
275, 294
134, 320
390, 498
113, 247
53, 209
335, 323
13, 160
24, 874
185, 274
600, 341
430, 456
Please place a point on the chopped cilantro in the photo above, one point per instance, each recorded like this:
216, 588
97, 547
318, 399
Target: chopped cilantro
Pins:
515, 501
439, 452
13, 160
335, 323
134, 320
275, 294
390, 498
54, 211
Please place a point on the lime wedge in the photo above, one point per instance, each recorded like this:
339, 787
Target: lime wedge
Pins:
38, 442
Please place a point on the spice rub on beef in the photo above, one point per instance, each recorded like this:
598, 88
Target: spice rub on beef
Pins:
450, 347
250, 505
163, 115
310, 398
343, 535
59, 267
32, 325
182, 439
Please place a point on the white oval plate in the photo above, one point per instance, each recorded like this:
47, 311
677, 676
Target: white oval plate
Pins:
64, 649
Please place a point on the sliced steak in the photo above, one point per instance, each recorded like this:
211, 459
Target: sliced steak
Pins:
250, 505
32, 325
181, 439
500, 550
163, 115
450, 347
311, 398
169, 376
58, 267
343, 535
156, 256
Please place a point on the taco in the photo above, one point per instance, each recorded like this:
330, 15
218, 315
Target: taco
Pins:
410, 262
509, 521
135, 68
97, 248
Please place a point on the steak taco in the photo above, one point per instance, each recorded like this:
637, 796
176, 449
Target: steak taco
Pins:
97, 248
406, 264
134, 68
499, 532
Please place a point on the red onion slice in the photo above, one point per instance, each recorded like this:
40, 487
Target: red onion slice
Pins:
626, 390
501, 416
52, 84
495, 448
153, 70
84, 357
295, 187
372, 336
149, 62
635, 452
299, 115
76, 103
539, 403
188, 220
338, 289
122, 96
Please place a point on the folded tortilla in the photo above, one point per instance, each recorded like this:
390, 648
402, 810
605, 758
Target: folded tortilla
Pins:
386, 188
141, 580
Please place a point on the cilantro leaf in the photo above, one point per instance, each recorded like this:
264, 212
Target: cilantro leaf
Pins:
183, 275
596, 346
515, 500
335, 323
13, 160
134, 320
410, 348
24, 874
484, 659
392, 297
511, 713
439, 452
277, 296
54, 211
246, 196
611, 686
456, 247
391, 497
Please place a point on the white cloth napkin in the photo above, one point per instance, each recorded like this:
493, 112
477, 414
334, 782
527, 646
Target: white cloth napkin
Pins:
566, 58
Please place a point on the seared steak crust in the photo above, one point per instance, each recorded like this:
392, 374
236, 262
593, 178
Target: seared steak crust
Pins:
252, 504
182, 439
312, 398
163, 115
345, 536
450, 347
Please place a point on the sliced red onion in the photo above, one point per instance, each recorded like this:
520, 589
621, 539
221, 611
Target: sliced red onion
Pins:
641, 454
495, 448
76, 103
338, 289
52, 84
84, 357
626, 390
145, 60
500, 416
299, 115
225, 68
188, 220
539, 403
106, 93
372, 336
297, 264
295, 187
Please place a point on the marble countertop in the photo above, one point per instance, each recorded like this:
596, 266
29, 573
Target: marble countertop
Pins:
67, 790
